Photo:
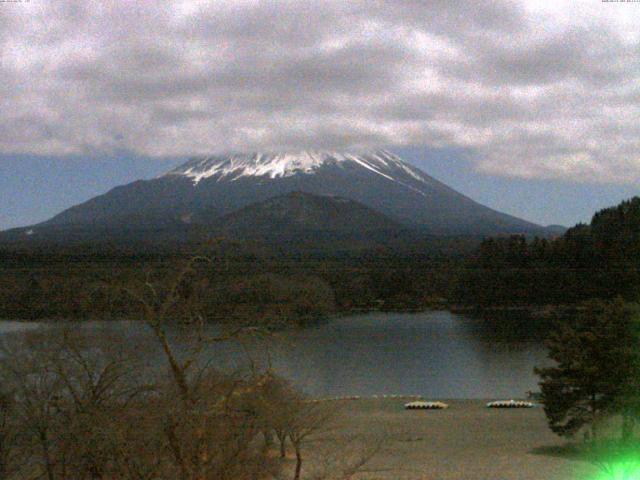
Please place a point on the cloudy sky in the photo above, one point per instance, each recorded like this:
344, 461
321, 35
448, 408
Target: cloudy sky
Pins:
544, 92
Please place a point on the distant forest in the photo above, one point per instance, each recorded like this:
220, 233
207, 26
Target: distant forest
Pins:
599, 260
235, 288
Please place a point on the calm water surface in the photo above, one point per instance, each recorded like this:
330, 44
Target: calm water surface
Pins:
435, 354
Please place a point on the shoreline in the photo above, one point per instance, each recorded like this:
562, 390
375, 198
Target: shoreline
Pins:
465, 441
545, 311
393, 396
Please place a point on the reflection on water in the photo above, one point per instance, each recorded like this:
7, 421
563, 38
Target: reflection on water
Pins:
435, 354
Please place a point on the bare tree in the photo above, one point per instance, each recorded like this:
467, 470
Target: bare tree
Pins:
344, 456
209, 430
9, 436
35, 392
273, 401
304, 420
68, 390
81, 403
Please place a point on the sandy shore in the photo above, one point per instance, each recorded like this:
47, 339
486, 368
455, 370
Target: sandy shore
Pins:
467, 441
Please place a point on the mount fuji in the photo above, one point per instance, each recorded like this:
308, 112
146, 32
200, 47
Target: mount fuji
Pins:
207, 190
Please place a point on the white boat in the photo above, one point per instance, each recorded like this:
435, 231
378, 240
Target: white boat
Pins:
422, 405
510, 404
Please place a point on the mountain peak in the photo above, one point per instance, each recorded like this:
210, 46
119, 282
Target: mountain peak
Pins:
282, 164
215, 186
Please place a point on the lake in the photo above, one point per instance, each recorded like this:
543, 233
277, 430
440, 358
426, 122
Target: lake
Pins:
433, 354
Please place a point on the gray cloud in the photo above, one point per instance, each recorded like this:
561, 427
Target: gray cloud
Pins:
534, 93
594, 57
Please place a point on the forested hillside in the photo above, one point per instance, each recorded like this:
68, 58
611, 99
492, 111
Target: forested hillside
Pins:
302, 282
599, 260
236, 287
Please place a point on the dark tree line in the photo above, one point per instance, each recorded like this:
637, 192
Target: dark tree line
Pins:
599, 260
292, 290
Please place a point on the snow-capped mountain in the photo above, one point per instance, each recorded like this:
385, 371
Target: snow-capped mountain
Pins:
279, 165
207, 188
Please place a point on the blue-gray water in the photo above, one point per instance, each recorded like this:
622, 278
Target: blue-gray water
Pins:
434, 354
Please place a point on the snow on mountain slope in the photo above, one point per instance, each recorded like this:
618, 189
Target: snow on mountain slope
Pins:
210, 187
278, 165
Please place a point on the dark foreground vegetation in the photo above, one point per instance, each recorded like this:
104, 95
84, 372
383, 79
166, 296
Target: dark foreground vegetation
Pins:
87, 403
81, 404
591, 393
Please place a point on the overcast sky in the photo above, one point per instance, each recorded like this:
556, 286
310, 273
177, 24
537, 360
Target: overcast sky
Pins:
545, 91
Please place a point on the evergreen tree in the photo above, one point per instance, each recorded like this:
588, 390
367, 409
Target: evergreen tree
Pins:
596, 356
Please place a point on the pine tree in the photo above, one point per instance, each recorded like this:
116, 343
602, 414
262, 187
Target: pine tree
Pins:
596, 356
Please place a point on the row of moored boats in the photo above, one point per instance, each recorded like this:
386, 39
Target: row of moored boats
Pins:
423, 405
